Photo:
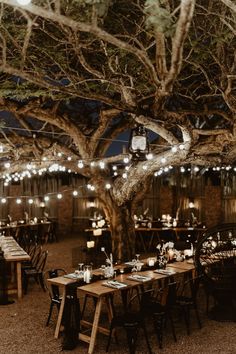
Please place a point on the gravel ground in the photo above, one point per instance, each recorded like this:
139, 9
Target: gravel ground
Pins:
23, 330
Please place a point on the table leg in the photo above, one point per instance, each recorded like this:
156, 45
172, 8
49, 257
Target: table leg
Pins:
19, 280
95, 325
59, 319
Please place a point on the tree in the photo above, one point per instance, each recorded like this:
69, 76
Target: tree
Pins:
168, 65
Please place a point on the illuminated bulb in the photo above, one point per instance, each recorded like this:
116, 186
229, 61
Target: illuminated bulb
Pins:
149, 156
69, 158
182, 169
174, 149
92, 163
16, 179
166, 169
126, 160
69, 171
80, 164
114, 168
196, 169
7, 165
145, 167
102, 164
3, 200
46, 198
44, 158
108, 186
59, 154
42, 205
5, 184
181, 147
155, 174
127, 168
92, 188
124, 175
59, 196
30, 201
18, 201
75, 193
23, 2
115, 173
163, 160
89, 186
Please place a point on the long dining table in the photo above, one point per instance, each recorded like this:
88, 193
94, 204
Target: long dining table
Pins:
14, 255
102, 294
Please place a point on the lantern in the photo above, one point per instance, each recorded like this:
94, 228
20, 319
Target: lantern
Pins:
138, 144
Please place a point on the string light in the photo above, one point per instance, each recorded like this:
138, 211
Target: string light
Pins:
46, 198
23, 2
3, 200
75, 193
18, 201
108, 186
80, 164
7, 165
59, 196
30, 201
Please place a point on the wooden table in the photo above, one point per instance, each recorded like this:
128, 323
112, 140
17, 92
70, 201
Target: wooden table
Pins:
102, 294
16, 259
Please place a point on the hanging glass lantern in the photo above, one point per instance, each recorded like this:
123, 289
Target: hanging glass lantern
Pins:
138, 143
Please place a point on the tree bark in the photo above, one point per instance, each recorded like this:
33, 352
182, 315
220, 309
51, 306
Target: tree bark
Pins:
122, 229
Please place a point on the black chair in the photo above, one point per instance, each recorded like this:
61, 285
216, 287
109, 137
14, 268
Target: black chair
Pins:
35, 254
35, 272
53, 290
187, 300
160, 307
131, 321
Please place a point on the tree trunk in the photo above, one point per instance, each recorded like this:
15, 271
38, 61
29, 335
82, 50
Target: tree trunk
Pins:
122, 229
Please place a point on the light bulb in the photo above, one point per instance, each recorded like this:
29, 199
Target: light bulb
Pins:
23, 2
80, 164
46, 198
3, 200
59, 196
108, 186
18, 201
75, 193
30, 201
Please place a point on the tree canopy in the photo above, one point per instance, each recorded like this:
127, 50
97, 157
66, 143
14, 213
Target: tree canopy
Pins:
75, 74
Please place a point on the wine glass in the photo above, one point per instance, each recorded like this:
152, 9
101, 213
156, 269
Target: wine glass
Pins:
81, 270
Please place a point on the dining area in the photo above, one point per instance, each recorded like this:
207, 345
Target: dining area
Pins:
34, 311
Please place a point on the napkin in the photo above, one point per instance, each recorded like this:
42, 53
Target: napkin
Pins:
138, 277
114, 284
72, 276
165, 271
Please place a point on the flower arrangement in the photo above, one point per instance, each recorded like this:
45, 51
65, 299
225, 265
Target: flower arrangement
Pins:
162, 248
109, 270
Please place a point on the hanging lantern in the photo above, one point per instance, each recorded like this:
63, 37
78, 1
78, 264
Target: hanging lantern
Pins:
138, 143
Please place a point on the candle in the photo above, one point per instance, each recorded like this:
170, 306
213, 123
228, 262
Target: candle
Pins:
151, 262
171, 254
90, 244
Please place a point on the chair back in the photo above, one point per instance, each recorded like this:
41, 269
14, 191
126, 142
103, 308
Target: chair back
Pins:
53, 289
42, 262
36, 255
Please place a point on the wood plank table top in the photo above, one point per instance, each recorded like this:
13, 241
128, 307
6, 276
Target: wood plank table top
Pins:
102, 293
